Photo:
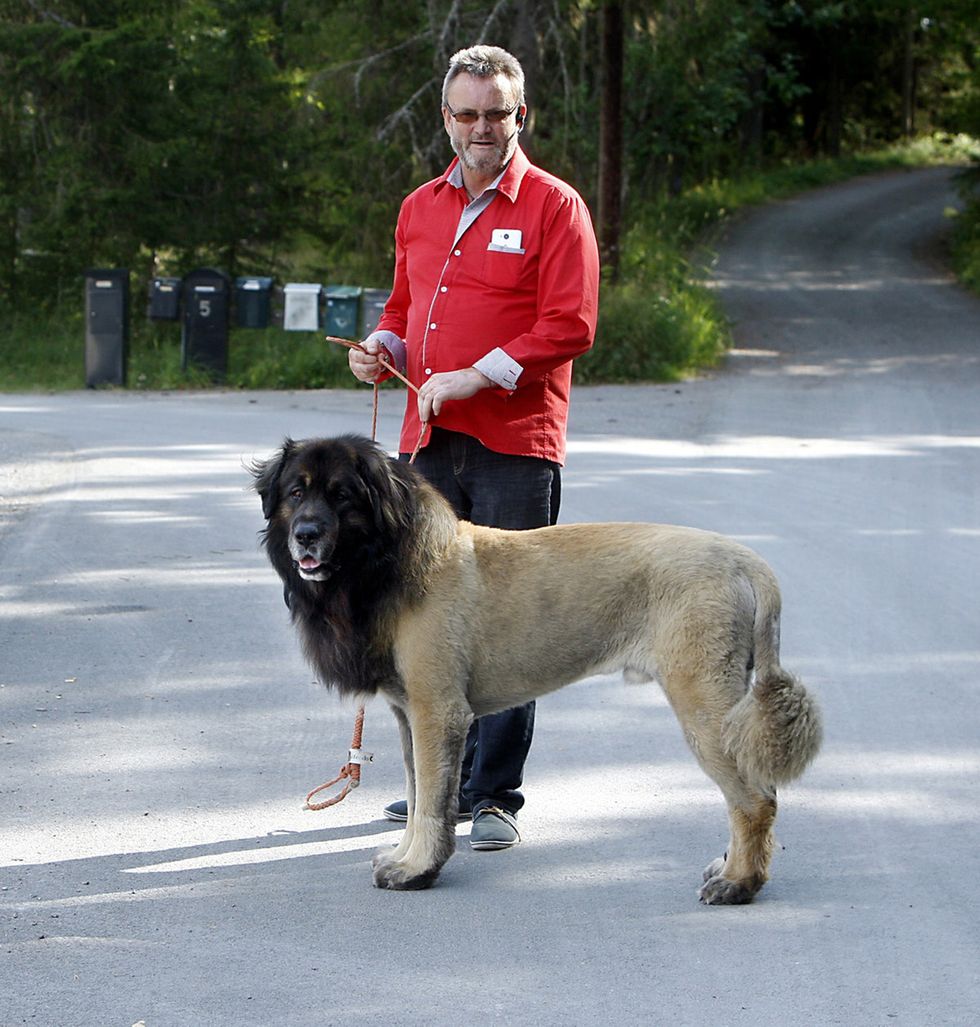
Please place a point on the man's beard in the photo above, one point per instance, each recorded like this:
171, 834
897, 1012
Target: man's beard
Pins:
485, 163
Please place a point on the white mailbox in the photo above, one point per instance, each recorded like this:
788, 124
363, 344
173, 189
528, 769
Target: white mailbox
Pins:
302, 310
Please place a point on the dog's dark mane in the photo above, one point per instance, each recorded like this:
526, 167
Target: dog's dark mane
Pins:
387, 543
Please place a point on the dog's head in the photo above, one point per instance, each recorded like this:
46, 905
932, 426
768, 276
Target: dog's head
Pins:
332, 504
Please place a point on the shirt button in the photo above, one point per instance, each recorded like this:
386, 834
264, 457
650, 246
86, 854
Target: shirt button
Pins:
432, 325
428, 370
457, 253
445, 288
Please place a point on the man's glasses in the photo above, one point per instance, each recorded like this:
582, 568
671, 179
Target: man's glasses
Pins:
471, 117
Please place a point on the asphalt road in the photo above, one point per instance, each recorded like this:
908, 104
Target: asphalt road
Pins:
158, 729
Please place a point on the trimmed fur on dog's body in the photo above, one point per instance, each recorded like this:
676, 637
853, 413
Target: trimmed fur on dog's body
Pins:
391, 593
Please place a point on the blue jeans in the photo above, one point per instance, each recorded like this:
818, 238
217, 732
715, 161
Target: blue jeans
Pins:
500, 491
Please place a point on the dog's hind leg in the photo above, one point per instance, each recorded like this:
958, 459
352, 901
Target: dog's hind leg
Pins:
438, 735
768, 738
736, 877
701, 700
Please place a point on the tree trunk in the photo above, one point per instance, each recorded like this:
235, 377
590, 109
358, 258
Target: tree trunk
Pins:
908, 76
610, 135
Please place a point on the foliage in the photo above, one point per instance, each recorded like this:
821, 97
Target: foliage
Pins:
270, 137
660, 324
645, 335
966, 235
274, 138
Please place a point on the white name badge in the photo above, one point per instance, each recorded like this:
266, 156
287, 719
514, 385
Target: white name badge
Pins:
508, 239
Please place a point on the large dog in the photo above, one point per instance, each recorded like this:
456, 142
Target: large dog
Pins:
392, 594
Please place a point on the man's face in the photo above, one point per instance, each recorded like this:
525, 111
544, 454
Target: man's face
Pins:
484, 146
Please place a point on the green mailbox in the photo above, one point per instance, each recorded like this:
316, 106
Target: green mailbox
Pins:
252, 301
343, 307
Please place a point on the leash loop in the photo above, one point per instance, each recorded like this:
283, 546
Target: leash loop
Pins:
351, 770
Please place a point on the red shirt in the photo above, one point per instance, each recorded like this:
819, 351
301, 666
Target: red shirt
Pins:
523, 278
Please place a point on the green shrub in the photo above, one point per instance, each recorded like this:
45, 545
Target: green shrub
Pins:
644, 335
966, 233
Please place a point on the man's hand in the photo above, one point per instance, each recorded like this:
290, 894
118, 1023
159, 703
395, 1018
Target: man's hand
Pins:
364, 363
448, 385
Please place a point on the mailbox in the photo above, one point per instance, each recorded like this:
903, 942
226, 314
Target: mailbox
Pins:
165, 299
343, 307
253, 301
372, 307
204, 336
106, 326
302, 313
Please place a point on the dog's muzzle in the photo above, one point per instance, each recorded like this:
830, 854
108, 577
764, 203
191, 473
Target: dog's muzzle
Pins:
310, 549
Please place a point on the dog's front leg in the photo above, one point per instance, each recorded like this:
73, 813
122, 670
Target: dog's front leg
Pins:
387, 856
437, 736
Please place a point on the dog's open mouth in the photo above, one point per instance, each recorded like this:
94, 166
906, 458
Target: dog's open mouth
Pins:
312, 569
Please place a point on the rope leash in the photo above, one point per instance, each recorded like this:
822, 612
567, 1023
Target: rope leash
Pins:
394, 370
351, 770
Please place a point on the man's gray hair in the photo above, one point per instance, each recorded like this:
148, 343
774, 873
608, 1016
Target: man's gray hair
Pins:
485, 62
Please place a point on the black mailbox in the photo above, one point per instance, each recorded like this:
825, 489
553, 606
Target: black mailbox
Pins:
252, 301
106, 326
204, 336
165, 299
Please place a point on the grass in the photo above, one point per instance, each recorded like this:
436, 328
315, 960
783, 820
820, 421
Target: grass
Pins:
48, 354
657, 324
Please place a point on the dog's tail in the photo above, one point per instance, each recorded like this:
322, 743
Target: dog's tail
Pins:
774, 731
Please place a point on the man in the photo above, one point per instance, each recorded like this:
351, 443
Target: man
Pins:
495, 293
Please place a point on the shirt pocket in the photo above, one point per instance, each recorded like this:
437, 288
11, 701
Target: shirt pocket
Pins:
502, 269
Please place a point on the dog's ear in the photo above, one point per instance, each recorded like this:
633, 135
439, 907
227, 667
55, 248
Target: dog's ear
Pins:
389, 493
267, 474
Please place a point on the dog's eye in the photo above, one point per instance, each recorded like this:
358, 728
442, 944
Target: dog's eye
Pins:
296, 492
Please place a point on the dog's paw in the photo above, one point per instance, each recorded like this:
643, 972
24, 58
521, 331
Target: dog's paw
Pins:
382, 857
713, 869
398, 876
719, 891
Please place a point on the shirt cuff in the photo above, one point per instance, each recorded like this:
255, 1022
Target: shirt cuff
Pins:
394, 345
501, 369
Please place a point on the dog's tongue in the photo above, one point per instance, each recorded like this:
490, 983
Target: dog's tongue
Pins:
309, 563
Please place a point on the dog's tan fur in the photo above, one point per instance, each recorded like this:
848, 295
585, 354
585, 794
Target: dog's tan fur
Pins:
483, 619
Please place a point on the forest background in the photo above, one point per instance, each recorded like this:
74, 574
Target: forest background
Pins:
275, 138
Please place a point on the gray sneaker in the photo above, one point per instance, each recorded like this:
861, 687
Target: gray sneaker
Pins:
493, 828
398, 811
